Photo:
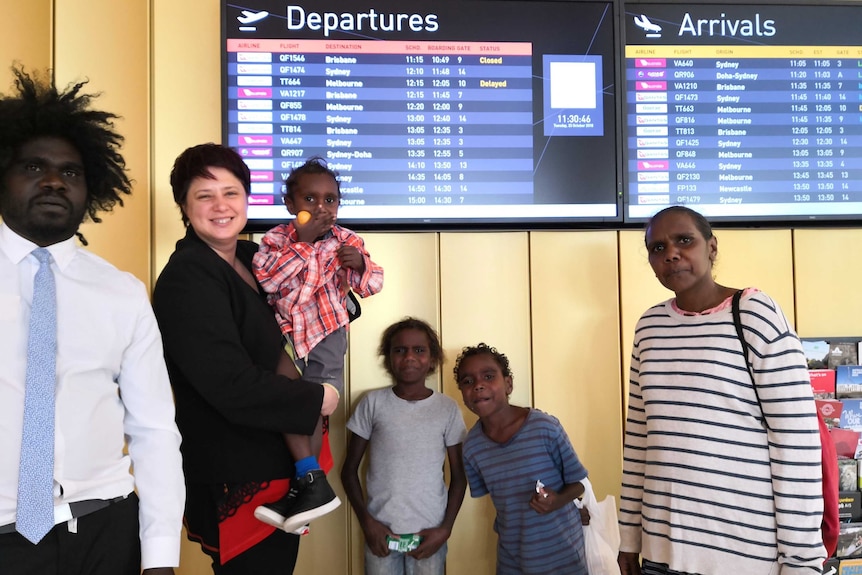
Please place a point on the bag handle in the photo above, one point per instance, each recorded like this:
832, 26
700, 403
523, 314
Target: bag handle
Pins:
737, 323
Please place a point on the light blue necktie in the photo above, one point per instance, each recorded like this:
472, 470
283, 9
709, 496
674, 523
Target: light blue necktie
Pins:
35, 515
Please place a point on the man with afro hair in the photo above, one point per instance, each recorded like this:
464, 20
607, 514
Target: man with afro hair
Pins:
90, 469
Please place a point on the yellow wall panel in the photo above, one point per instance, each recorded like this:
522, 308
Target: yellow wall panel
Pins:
484, 296
757, 258
746, 258
410, 287
31, 49
192, 560
186, 111
561, 305
110, 46
638, 290
827, 283
186, 102
576, 345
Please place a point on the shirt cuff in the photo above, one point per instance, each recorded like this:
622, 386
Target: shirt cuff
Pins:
160, 552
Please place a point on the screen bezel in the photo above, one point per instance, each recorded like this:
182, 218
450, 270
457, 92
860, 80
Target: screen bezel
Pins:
765, 221
515, 223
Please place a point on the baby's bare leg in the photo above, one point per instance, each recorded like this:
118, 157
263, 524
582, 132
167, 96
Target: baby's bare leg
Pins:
301, 446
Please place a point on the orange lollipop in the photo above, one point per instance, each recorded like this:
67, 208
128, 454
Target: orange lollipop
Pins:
303, 217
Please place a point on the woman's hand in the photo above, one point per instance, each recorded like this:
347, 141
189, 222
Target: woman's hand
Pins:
330, 400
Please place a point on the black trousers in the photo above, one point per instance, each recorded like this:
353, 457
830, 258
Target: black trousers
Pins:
650, 568
275, 555
107, 543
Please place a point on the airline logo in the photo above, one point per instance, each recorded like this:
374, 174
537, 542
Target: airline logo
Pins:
254, 104
651, 29
255, 200
259, 164
653, 165
651, 108
254, 128
652, 142
263, 189
254, 80
658, 199
650, 96
651, 74
653, 177
254, 92
255, 140
652, 120
261, 176
259, 69
256, 152
254, 56
651, 154
254, 116
651, 131
650, 62
651, 85
653, 188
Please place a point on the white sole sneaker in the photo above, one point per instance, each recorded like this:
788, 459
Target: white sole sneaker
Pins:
268, 516
294, 522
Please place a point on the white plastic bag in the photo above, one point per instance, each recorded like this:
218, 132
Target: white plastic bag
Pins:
602, 535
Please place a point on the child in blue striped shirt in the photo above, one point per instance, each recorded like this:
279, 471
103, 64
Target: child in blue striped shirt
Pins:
524, 459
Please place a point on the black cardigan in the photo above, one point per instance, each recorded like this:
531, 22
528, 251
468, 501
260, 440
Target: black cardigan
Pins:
222, 345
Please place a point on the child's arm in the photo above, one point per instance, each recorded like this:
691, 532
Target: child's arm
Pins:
280, 259
549, 500
434, 538
375, 532
363, 275
351, 258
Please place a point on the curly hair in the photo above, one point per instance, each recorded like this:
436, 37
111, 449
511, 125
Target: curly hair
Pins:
39, 110
313, 165
480, 349
434, 348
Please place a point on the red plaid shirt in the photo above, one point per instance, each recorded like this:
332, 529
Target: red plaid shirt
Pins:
305, 282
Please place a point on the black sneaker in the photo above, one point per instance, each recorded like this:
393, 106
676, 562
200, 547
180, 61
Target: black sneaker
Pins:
314, 498
276, 512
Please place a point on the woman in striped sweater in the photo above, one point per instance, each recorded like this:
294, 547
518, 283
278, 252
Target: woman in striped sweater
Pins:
713, 483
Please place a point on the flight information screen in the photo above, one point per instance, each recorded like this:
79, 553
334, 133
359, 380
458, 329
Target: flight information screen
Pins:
458, 112
744, 111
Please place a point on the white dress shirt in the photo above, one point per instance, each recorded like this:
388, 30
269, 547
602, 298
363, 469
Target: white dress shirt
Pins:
112, 389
